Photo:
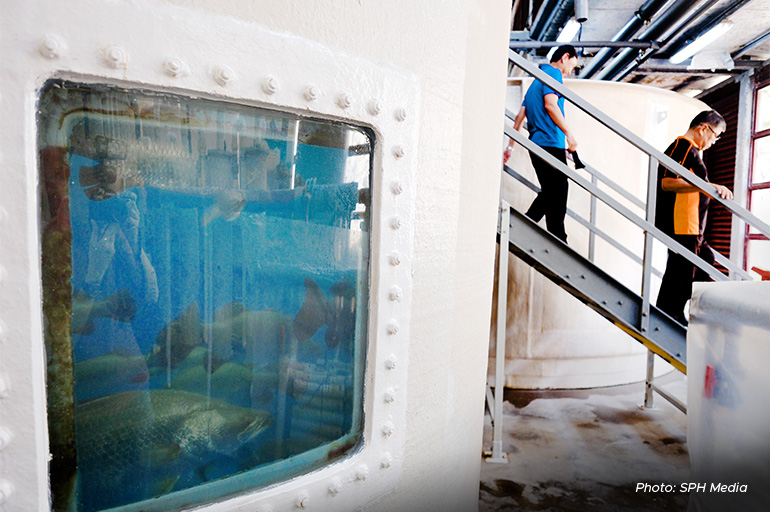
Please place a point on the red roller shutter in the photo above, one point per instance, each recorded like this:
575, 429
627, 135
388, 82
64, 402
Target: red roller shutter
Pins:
720, 161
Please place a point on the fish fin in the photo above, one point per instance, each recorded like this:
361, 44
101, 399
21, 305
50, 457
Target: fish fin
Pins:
87, 328
229, 311
211, 213
164, 485
312, 314
164, 454
121, 306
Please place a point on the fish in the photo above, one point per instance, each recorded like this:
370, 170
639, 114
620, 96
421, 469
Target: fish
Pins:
228, 204
138, 445
258, 338
109, 374
119, 306
178, 339
238, 334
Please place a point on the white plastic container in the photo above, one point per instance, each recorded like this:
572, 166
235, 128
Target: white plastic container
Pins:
728, 397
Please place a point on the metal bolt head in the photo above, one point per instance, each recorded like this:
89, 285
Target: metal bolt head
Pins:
51, 47
401, 114
362, 473
395, 259
115, 56
311, 92
393, 327
396, 223
388, 428
386, 460
335, 486
397, 188
390, 362
390, 396
303, 500
270, 84
6, 489
399, 151
5, 387
174, 66
374, 107
395, 293
5, 438
224, 75
344, 100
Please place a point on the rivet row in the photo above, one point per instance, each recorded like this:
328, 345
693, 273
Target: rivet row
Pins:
116, 57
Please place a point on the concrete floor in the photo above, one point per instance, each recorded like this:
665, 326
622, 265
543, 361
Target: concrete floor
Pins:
577, 450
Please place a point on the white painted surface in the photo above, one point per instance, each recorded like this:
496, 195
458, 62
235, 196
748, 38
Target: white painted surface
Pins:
728, 408
427, 77
554, 340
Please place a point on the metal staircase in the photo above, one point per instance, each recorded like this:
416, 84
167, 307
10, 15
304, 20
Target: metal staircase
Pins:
597, 289
576, 273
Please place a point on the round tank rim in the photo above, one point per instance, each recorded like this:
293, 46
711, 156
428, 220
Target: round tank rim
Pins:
577, 83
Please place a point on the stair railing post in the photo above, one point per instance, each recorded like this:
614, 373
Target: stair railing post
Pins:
592, 220
502, 310
644, 321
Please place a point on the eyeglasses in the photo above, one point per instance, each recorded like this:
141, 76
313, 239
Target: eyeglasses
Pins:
716, 135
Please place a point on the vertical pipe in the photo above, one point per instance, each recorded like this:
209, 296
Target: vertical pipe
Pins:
592, 220
644, 321
648, 383
294, 147
742, 165
502, 309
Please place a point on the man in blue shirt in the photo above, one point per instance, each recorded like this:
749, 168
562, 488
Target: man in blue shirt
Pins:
544, 110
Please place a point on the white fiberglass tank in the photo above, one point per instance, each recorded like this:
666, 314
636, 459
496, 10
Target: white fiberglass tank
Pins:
728, 413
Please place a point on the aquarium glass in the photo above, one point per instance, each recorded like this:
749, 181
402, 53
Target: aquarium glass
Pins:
205, 271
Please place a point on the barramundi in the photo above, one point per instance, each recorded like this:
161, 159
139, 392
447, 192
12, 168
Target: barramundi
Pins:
138, 445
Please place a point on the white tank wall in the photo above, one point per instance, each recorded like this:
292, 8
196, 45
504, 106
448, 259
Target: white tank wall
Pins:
554, 340
454, 55
728, 407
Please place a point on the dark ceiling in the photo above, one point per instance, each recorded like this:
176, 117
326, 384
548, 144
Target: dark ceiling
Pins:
633, 40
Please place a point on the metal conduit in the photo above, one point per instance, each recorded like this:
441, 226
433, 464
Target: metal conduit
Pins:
641, 17
671, 17
691, 34
544, 17
750, 45
705, 26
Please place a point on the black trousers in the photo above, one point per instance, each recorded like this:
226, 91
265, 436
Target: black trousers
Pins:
676, 287
551, 202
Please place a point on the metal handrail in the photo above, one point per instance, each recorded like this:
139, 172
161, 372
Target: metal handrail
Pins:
628, 214
614, 204
585, 223
639, 143
594, 172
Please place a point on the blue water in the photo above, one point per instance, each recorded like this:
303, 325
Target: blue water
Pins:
256, 307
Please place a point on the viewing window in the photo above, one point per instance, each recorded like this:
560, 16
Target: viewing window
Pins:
205, 271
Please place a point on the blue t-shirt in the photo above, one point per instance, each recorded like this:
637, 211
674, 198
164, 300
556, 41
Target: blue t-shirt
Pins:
542, 130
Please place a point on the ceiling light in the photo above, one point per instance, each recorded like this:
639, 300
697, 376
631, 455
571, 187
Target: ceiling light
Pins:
701, 42
566, 35
569, 32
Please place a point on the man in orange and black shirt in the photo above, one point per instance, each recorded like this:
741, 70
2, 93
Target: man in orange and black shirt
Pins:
681, 209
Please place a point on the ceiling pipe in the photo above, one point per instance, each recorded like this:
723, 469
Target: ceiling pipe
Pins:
703, 27
743, 50
641, 17
671, 17
516, 44
693, 33
544, 17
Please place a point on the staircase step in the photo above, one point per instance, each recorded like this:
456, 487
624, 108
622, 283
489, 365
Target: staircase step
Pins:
597, 289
